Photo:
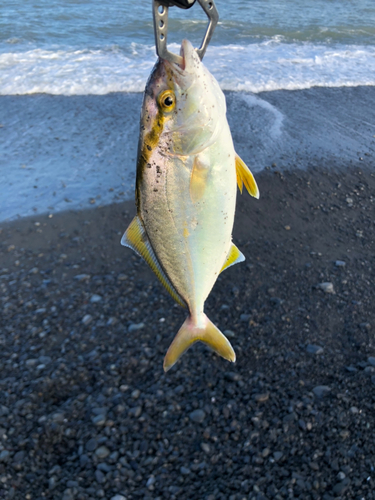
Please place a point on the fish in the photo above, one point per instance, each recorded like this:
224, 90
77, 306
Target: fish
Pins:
186, 186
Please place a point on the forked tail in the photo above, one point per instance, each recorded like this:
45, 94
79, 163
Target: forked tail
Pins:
190, 333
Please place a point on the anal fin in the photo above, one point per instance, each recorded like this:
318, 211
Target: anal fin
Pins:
244, 176
136, 238
235, 256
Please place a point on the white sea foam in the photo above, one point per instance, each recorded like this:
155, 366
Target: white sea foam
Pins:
257, 67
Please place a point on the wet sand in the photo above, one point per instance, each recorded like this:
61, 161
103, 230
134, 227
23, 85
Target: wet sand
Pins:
86, 411
70, 152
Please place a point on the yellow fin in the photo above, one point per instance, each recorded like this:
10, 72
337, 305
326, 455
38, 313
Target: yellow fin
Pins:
136, 238
198, 180
244, 176
190, 333
234, 257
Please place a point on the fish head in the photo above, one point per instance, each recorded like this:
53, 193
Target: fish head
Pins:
183, 105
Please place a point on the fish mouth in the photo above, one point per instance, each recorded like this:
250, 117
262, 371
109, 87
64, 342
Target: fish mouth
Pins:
188, 56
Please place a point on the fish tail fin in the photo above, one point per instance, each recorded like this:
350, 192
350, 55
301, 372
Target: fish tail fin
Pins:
190, 333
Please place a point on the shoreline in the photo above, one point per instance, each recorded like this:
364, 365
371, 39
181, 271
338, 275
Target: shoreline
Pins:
60, 152
86, 407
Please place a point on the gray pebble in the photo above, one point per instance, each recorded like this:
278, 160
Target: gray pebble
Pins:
82, 277
95, 298
184, 470
87, 318
314, 349
135, 394
326, 287
52, 482
45, 360
197, 416
229, 334
341, 476
83, 460
4, 456
150, 481
371, 360
31, 362
91, 444
99, 411
205, 447
340, 263
134, 327
321, 390
102, 452
118, 497
19, 456
136, 411
245, 317
99, 476
105, 467
58, 417
99, 420
261, 398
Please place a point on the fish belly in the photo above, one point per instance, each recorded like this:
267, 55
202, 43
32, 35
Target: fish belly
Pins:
187, 206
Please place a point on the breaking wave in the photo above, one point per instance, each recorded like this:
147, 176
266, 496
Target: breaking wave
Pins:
257, 67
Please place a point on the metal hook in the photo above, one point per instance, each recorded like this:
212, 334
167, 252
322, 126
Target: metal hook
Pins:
160, 14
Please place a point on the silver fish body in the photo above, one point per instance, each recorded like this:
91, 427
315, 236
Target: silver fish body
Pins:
187, 175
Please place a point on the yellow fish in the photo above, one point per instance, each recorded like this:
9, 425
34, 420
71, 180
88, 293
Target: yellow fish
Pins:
187, 172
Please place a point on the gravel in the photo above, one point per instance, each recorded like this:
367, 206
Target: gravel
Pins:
100, 419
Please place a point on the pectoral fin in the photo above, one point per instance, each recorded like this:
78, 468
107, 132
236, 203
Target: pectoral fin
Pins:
244, 176
198, 180
234, 257
136, 238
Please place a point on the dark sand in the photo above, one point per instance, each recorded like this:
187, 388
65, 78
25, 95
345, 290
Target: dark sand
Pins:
86, 411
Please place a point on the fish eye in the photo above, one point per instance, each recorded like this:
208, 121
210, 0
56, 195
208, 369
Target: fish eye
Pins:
167, 100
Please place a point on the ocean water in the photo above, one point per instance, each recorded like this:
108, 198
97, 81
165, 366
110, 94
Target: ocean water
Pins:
72, 73
82, 47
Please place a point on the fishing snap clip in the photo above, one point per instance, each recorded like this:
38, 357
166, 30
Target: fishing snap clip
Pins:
160, 16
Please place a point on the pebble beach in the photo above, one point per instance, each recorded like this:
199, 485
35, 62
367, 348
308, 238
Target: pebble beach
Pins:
86, 411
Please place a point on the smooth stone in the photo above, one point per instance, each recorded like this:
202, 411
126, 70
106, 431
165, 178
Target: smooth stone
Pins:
134, 327
326, 287
95, 298
118, 497
58, 418
91, 444
86, 320
82, 277
314, 349
371, 360
4, 456
99, 476
229, 333
321, 390
102, 452
136, 411
150, 481
340, 263
261, 398
197, 416
31, 362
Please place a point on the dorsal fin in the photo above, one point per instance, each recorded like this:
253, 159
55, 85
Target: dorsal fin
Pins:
234, 257
136, 238
244, 176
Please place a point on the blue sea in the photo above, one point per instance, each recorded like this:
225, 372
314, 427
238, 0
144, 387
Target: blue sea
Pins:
299, 78
95, 47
